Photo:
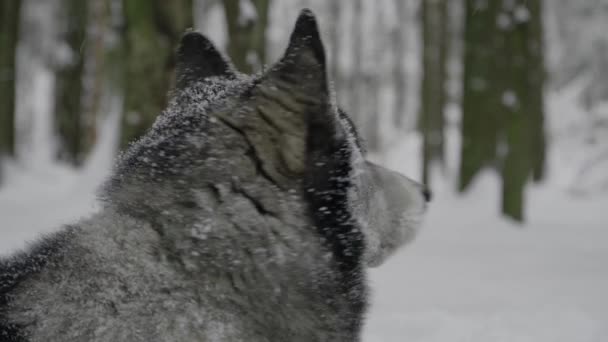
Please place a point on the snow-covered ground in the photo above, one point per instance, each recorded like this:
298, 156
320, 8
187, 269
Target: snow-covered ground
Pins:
472, 277
37, 196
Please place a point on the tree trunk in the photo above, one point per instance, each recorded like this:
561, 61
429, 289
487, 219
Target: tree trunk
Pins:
399, 35
372, 74
335, 10
247, 21
536, 77
9, 28
153, 29
503, 96
522, 102
69, 84
480, 95
434, 53
356, 81
94, 69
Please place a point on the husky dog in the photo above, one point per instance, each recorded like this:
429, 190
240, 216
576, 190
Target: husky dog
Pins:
247, 213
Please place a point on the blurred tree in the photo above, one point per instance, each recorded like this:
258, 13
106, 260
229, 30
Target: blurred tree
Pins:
68, 86
502, 101
153, 29
433, 88
480, 92
93, 65
372, 71
93, 68
102, 64
536, 79
356, 85
335, 11
399, 34
247, 21
522, 103
9, 27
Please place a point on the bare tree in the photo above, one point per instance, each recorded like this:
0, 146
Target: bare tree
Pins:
536, 79
372, 73
480, 121
399, 35
9, 27
433, 89
68, 86
153, 29
522, 107
335, 11
502, 100
356, 82
247, 21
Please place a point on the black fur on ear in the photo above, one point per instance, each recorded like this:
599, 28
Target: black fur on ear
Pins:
306, 35
197, 59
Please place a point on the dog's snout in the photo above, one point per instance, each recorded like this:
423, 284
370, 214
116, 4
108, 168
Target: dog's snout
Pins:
427, 194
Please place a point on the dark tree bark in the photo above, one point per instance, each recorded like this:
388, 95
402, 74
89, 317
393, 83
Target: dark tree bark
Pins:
523, 113
433, 89
100, 67
536, 78
480, 94
9, 28
335, 11
503, 96
93, 68
399, 35
153, 29
356, 81
247, 35
372, 79
68, 87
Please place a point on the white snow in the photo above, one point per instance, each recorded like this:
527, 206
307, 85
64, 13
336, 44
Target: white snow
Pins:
247, 13
474, 276
39, 197
509, 98
471, 276
503, 21
521, 14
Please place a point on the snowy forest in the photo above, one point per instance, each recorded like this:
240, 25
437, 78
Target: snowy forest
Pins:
400, 68
499, 106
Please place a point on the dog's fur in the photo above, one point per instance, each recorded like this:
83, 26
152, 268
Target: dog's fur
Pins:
247, 213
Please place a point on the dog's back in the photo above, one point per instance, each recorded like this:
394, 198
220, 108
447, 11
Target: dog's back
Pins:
99, 285
17, 269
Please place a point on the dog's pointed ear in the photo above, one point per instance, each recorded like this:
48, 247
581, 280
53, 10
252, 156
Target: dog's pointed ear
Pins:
294, 96
197, 59
303, 65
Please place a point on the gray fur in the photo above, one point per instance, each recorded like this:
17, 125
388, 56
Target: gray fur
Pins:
389, 208
210, 229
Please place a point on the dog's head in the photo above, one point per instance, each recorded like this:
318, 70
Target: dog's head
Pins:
387, 206
266, 137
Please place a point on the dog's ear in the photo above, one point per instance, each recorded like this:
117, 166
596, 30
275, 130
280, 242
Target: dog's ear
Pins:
294, 95
197, 59
303, 65
289, 117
